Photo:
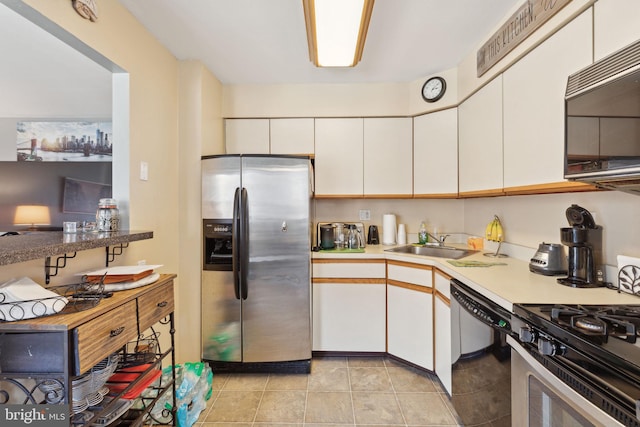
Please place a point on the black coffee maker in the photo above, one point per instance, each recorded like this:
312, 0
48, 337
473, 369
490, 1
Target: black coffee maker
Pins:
584, 239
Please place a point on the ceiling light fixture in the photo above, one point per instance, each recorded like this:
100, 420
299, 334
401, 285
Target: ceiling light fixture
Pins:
336, 30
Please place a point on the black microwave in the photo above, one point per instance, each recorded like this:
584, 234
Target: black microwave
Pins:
602, 122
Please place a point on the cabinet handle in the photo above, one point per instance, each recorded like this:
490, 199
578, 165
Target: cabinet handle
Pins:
116, 332
163, 304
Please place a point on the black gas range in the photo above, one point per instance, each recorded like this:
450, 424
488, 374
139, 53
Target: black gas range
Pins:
594, 349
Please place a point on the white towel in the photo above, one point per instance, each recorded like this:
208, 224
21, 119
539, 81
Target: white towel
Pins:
25, 299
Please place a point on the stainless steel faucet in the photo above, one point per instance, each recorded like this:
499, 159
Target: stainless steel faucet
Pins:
440, 239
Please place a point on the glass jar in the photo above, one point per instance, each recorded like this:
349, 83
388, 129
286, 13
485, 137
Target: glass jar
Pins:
352, 239
107, 216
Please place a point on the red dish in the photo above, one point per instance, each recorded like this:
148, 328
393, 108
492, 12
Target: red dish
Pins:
124, 377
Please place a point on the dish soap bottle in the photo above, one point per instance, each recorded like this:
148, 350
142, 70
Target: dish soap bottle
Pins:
422, 234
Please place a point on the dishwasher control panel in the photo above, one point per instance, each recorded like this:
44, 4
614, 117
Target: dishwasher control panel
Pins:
480, 307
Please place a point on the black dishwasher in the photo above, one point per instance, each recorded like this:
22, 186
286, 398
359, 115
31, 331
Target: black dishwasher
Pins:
480, 357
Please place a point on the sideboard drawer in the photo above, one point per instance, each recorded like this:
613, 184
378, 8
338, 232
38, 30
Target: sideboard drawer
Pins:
154, 306
104, 335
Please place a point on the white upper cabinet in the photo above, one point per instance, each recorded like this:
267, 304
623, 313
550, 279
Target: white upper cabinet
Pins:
435, 153
292, 136
480, 140
534, 91
339, 157
387, 157
615, 25
247, 136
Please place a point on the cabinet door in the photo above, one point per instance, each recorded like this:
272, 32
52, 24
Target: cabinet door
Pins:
534, 105
480, 140
247, 136
410, 324
349, 317
339, 160
291, 136
387, 157
615, 24
435, 153
442, 329
410, 313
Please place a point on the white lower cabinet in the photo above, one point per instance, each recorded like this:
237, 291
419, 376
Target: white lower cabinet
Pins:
442, 334
349, 305
410, 313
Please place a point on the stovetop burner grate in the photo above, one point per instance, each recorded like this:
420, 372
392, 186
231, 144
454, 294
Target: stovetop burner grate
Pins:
599, 322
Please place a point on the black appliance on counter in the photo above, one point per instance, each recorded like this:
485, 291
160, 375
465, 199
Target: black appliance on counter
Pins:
592, 349
373, 236
584, 239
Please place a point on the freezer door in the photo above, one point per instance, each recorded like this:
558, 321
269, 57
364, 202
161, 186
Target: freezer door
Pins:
220, 178
221, 309
276, 311
221, 327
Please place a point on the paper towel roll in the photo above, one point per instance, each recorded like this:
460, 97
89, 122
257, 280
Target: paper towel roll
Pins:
389, 229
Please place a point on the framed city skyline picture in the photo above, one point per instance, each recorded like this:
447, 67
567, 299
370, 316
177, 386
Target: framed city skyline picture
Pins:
64, 141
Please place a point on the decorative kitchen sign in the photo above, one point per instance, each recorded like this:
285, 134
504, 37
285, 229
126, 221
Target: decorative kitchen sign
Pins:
88, 9
528, 18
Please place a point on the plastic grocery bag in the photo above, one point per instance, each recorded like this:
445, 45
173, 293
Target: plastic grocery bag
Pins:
193, 389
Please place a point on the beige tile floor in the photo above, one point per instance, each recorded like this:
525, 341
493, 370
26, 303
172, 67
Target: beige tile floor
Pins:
340, 391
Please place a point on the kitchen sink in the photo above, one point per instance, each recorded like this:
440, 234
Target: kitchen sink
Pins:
434, 251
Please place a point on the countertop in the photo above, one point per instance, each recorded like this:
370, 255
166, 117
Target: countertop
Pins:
41, 244
505, 284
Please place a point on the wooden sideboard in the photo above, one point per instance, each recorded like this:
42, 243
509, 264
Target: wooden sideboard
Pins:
60, 347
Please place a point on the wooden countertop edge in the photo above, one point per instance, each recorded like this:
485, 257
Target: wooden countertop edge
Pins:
68, 321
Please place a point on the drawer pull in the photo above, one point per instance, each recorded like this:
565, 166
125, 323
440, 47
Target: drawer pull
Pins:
116, 332
163, 304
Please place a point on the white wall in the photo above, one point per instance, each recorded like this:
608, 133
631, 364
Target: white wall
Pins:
200, 129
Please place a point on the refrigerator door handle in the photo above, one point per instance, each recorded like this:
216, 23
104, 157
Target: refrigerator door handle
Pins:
244, 244
235, 250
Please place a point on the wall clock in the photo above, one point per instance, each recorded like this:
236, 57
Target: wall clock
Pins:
434, 89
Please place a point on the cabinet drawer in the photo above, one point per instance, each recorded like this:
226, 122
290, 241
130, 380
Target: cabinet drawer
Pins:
154, 306
441, 282
104, 335
363, 269
416, 274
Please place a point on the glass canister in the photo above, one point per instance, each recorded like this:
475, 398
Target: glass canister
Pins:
107, 216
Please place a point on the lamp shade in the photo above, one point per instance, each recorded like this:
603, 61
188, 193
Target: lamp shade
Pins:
32, 215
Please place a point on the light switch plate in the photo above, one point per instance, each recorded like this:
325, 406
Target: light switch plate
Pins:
144, 171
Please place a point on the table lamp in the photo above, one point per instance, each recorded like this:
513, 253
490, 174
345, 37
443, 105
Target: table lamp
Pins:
32, 215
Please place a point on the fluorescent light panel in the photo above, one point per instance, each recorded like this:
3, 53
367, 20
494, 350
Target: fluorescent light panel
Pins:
336, 30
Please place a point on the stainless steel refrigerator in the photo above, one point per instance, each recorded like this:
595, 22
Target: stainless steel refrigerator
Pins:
256, 279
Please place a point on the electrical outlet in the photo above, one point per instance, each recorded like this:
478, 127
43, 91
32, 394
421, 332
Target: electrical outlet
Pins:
365, 214
142, 262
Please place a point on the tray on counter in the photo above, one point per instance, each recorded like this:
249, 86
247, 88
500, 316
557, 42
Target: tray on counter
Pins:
343, 251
